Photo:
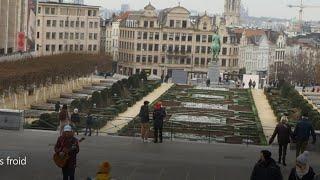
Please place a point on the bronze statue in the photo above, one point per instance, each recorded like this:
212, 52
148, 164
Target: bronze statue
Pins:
215, 46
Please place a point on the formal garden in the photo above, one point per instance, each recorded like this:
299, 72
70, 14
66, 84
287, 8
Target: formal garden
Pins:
207, 115
104, 104
286, 99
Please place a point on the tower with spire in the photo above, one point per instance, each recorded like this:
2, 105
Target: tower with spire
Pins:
232, 10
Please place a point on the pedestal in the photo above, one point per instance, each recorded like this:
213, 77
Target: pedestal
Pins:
213, 72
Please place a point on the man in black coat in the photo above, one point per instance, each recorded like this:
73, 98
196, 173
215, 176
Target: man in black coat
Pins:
159, 114
266, 168
283, 131
302, 134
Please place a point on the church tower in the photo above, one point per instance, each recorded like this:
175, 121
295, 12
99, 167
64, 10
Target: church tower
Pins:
232, 12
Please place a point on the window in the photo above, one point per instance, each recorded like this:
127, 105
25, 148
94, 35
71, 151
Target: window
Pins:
149, 59
205, 26
38, 22
81, 47
77, 24
96, 24
82, 24
177, 37
82, 36
94, 13
203, 61
151, 36
183, 37
165, 36
72, 24
151, 24
171, 36
53, 11
198, 38
183, 48
47, 10
139, 47
60, 35
188, 61
155, 72
150, 47
155, 59
66, 23
164, 48
197, 49
60, 47
184, 24
90, 24
54, 23
189, 48
225, 40
53, 35
90, 47
190, 37
90, 36
38, 35
196, 61
95, 47
95, 36
176, 48
71, 36
53, 48
145, 35
156, 47
204, 38
210, 38
144, 47
47, 35
138, 58
224, 51
47, 47
89, 14
48, 23
39, 10
61, 23
144, 59
145, 24
71, 47
223, 63
76, 47
172, 23
156, 36
139, 35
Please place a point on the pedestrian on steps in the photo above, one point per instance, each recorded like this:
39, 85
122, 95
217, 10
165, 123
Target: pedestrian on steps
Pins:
302, 134
159, 114
64, 118
89, 124
144, 117
283, 133
75, 120
266, 168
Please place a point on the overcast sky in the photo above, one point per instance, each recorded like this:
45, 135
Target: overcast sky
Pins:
267, 8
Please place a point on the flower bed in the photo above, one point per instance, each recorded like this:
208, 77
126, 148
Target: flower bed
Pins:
231, 118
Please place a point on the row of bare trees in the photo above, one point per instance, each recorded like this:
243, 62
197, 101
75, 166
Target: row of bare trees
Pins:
41, 71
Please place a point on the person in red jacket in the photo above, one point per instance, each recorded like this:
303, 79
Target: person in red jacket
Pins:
68, 145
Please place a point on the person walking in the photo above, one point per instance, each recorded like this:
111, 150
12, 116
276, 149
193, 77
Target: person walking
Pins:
68, 145
302, 132
75, 120
144, 117
89, 123
302, 171
266, 168
250, 84
64, 117
57, 107
208, 82
159, 114
254, 84
283, 133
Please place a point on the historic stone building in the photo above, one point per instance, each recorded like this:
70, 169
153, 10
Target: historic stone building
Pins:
232, 10
63, 27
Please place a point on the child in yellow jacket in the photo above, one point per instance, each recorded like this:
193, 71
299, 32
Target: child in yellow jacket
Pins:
104, 172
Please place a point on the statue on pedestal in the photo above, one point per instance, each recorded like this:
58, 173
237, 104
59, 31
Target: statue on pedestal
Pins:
215, 46
213, 66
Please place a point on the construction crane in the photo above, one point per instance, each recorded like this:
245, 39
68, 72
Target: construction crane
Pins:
301, 7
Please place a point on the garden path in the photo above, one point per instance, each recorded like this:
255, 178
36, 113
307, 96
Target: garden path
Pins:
266, 115
124, 118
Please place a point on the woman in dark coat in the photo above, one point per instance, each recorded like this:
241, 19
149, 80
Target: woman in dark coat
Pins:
159, 114
283, 131
302, 171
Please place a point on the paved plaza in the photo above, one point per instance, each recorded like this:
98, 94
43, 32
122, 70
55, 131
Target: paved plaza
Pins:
133, 160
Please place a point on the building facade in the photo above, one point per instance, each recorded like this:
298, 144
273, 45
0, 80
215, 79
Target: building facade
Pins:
161, 43
232, 10
63, 27
13, 19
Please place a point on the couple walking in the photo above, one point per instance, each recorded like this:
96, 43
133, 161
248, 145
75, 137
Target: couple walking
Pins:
159, 114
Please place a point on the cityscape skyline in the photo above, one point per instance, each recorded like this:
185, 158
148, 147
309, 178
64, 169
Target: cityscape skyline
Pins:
279, 10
